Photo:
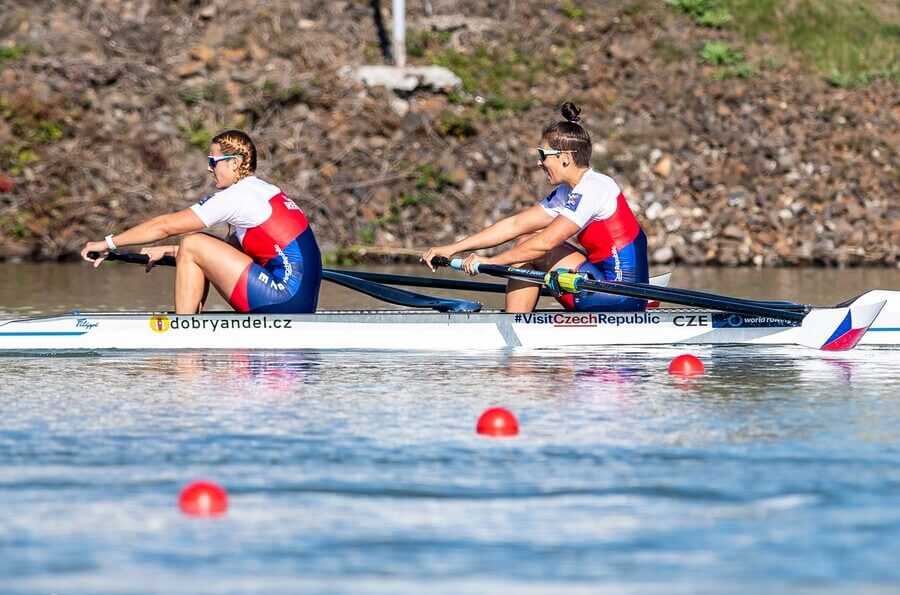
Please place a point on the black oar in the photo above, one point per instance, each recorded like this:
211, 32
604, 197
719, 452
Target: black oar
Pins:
439, 283
577, 282
689, 293
433, 282
401, 297
391, 295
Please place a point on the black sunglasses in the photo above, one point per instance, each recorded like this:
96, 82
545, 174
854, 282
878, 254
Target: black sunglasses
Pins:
544, 153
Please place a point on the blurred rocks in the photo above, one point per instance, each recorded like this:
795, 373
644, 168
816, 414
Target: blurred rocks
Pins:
106, 115
407, 79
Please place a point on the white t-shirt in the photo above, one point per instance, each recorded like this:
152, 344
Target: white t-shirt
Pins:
594, 198
244, 204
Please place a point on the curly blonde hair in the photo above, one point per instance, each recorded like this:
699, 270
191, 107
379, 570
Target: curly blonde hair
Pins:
236, 142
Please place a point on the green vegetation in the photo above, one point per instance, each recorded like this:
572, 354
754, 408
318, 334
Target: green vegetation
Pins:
707, 13
19, 229
490, 74
197, 135
17, 52
292, 95
270, 97
432, 178
429, 183
716, 53
571, 10
669, 51
13, 52
33, 124
851, 42
494, 80
421, 41
367, 235
207, 92
456, 126
566, 60
840, 79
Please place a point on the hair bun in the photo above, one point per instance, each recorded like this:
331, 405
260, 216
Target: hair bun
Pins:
570, 111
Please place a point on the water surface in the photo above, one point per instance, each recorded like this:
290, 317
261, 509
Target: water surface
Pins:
360, 472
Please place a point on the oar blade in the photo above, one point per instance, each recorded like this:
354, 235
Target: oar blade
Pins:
837, 329
400, 297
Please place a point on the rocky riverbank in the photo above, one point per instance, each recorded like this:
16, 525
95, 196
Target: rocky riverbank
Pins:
107, 107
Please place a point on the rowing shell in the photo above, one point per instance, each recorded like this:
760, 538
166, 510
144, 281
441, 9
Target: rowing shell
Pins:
824, 328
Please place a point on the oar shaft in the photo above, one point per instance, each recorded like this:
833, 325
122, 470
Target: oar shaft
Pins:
412, 281
134, 258
391, 295
695, 299
642, 291
386, 278
777, 304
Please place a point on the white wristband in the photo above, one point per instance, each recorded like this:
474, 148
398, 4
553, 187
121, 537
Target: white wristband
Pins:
109, 242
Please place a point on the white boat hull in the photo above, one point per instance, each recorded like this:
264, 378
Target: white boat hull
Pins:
415, 330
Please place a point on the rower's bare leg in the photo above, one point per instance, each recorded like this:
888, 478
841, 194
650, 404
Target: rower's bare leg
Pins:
563, 257
203, 297
203, 259
522, 296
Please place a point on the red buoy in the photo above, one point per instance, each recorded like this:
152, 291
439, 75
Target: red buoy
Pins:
497, 422
6, 183
686, 365
203, 498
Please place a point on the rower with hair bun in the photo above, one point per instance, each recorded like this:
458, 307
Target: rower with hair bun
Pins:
585, 204
274, 264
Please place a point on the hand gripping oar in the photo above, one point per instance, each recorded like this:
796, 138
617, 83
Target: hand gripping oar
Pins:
577, 282
391, 295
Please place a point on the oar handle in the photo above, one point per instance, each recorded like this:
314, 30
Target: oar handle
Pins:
132, 258
456, 263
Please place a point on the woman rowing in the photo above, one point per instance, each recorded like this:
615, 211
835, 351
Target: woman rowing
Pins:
275, 264
592, 207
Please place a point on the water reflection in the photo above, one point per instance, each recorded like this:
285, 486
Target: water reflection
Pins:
261, 372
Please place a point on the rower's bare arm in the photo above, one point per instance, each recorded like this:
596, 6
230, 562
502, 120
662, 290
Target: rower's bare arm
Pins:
551, 236
523, 222
150, 231
160, 228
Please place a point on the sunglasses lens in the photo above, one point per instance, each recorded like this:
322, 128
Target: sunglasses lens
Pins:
541, 155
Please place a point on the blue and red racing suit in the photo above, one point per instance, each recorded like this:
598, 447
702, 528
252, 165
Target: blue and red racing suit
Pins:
610, 234
287, 267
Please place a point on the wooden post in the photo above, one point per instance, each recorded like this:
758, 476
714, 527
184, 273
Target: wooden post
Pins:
399, 36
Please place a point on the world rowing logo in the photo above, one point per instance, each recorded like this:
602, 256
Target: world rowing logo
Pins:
159, 324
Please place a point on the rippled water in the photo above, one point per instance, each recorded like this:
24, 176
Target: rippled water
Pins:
360, 472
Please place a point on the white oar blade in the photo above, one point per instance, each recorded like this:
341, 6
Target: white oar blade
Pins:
661, 280
837, 329
658, 281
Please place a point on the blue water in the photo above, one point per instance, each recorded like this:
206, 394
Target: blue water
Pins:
360, 472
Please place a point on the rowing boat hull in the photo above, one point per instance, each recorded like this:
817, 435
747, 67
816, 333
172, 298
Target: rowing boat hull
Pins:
412, 330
